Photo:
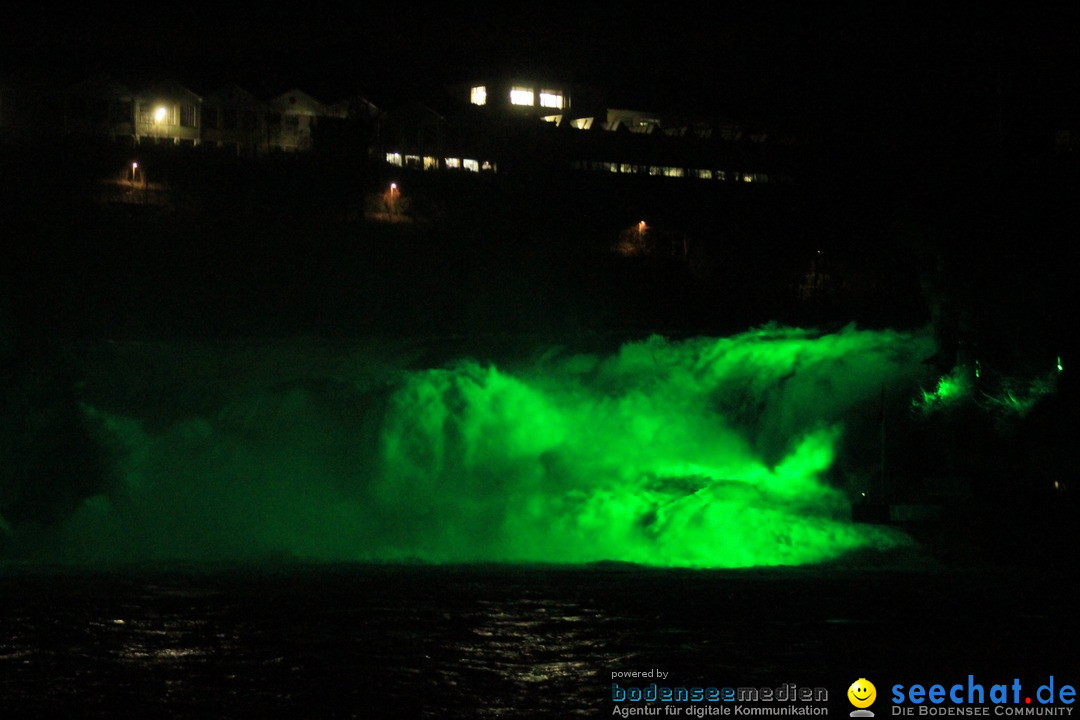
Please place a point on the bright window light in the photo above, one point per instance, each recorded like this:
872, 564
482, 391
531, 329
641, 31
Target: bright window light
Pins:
452, 162
478, 95
521, 96
393, 159
160, 113
550, 99
470, 165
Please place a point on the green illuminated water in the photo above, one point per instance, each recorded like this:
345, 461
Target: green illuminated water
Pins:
709, 452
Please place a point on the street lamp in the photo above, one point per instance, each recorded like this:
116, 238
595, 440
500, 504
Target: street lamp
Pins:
134, 167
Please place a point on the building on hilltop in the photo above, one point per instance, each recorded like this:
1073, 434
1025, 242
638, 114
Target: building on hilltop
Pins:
292, 120
519, 97
514, 123
497, 123
234, 119
167, 113
99, 106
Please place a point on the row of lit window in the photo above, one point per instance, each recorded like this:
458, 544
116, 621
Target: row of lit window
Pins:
520, 95
427, 162
639, 127
669, 171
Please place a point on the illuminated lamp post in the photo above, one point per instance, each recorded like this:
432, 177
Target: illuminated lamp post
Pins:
134, 167
392, 201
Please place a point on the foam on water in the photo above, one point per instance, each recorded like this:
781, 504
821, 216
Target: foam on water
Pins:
707, 452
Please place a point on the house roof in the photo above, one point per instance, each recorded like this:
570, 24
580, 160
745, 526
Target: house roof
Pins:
169, 89
232, 94
297, 102
354, 106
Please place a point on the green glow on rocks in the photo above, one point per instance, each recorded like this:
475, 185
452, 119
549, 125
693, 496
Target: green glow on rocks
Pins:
709, 452
1005, 399
1016, 397
949, 391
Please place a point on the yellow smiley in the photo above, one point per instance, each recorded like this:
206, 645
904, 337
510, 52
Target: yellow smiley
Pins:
862, 693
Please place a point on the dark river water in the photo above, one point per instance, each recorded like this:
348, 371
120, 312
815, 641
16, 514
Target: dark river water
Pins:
504, 641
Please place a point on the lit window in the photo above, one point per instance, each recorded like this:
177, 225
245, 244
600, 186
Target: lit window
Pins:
393, 159
550, 99
452, 162
470, 165
521, 96
161, 114
582, 123
431, 163
488, 166
627, 168
703, 174
412, 161
478, 95
552, 118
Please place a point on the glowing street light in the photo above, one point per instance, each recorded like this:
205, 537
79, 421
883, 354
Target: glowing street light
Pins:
391, 198
134, 167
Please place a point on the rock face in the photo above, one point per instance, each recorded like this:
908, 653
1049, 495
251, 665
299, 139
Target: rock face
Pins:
48, 460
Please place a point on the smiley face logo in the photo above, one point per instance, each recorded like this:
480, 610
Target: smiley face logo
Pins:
862, 693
